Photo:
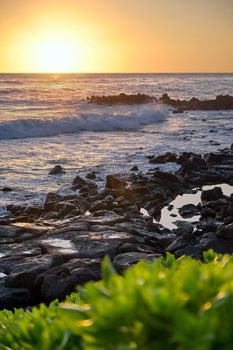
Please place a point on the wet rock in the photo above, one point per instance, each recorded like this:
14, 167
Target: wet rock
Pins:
134, 168
7, 264
51, 201
219, 245
91, 176
195, 251
23, 250
10, 231
225, 232
34, 211
185, 240
114, 182
106, 204
6, 189
209, 227
78, 183
165, 241
215, 158
61, 281
230, 210
208, 213
221, 102
162, 159
127, 247
190, 162
65, 208
125, 260
184, 229
189, 210
82, 245
105, 217
212, 195
57, 170
25, 272
120, 99
17, 233
165, 176
12, 297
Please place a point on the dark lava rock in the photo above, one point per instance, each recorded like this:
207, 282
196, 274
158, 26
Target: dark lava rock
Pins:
19, 249
12, 297
51, 201
7, 264
220, 246
65, 208
190, 162
209, 227
17, 233
10, 231
208, 213
219, 103
165, 176
181, 242
195, 251
62, 280
108, 203
120, 99
189, 210
25, 272
91, 176
125, 260
170, 207
165, 158
212, 195
78, 183
57, 170
184, 229
165, 241
6, 189
225, 232
114, 182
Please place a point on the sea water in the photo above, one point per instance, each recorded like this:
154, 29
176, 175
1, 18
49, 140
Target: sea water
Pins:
45, 120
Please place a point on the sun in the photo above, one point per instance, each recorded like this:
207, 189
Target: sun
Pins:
55, 57
57, 53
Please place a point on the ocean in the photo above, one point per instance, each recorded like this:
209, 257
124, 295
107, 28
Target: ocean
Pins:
45, 120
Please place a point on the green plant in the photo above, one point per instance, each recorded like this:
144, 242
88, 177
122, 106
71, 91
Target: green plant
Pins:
181, 304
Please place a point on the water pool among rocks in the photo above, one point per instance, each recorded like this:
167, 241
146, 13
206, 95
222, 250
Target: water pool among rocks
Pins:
170, 213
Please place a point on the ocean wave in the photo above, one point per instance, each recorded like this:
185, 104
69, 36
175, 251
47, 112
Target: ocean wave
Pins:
133, 119
9, 91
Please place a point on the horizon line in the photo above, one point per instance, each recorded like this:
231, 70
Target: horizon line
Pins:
217, 72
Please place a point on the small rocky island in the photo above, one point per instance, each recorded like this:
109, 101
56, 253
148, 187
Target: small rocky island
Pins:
45, 252
221, 102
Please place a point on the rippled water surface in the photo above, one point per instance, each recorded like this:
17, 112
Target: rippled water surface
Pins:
44, 121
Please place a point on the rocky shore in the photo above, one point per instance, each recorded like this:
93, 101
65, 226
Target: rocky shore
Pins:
45, 252
219, 103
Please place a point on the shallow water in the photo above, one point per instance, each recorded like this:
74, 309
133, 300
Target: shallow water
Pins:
169, 217
88, 137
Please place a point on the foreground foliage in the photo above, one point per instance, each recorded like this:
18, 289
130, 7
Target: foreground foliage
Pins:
166, 304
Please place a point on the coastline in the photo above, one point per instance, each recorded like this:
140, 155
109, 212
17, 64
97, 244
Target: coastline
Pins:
46, 251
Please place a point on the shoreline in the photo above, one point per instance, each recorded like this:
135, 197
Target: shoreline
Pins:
46, 251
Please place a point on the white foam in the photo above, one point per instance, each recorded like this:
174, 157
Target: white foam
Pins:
132, 118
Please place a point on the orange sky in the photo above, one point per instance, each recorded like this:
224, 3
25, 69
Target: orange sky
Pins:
116, 35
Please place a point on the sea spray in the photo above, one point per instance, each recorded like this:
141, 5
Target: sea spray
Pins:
131, 118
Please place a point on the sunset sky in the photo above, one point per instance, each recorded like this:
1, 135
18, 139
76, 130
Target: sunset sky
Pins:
116, 35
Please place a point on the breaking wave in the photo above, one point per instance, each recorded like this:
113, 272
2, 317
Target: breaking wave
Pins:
133, 119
